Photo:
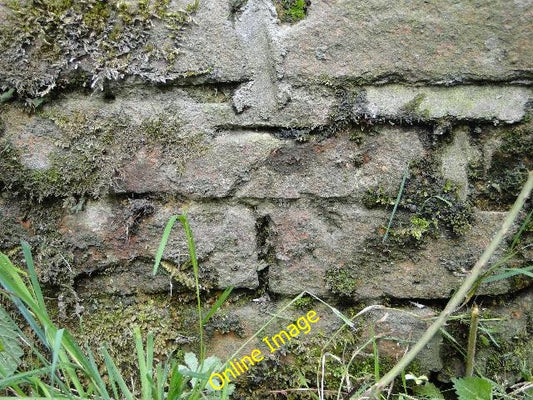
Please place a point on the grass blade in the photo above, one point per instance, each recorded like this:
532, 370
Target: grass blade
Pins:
376, 354
33, 276
96, 377
141, 362
527, 271
518, 234
163, 243
161, 378
23, 377
116, 376
176, 386
454, 343
10, 279
398, 198
55, 354
150, 362
217, 304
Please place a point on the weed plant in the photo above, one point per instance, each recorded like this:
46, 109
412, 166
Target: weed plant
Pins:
63, 369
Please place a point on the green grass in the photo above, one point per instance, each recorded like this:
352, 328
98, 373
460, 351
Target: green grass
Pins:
62, 369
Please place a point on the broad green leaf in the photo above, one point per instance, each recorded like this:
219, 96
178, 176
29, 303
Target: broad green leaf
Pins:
428, 391
10, 356
191, 361
473, 388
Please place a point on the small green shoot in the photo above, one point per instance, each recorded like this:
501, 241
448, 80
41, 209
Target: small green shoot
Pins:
396, 203
6, 96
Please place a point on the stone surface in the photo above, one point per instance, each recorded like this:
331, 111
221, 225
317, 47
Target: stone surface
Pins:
306, 240
506, 104
399, 328
218, 172
455, 159
288, 145
437, 41
335, 167
112, 234
450, 261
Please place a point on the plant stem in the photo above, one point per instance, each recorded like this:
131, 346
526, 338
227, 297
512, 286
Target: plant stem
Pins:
194, 262
457, 298
398, 198
472, 336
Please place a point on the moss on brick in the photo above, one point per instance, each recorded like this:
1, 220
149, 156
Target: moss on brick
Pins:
89, 149
431, 202
110, 321
498, 186
291, 11
45, 39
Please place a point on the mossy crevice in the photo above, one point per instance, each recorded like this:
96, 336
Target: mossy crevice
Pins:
291, 11
429, 208
497, 185
431, 204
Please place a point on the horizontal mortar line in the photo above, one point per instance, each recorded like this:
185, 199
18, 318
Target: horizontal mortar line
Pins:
434, 302
365, 119
424, 122
524, 78
230, 199
179, 79
258, 128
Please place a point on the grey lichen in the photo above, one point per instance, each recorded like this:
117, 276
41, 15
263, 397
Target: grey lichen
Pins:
45, 44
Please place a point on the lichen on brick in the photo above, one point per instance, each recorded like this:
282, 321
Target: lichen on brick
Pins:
47, 40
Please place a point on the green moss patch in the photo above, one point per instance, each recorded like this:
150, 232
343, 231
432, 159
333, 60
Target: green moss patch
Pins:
430, 202
110, 321
90, 147
429, 208
291, 11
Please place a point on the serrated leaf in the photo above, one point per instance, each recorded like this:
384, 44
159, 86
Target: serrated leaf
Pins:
191, 361
210, 364
428, 391
472, 388
10, 356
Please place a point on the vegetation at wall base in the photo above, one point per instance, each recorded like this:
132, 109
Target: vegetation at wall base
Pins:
63, 369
